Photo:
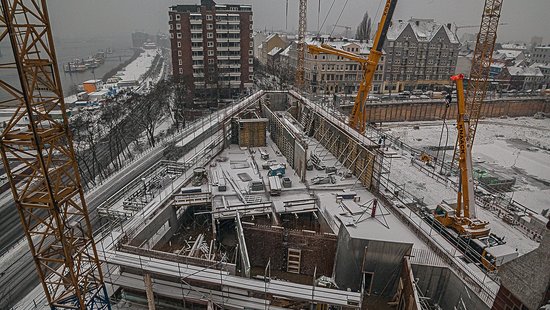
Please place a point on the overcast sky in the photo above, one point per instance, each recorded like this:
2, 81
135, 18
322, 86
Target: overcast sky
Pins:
87, 18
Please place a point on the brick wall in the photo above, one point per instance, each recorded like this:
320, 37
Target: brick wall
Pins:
268, 242
505, 300
426, 111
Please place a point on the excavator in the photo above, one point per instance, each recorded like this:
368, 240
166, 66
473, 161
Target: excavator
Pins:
358, 117
458, 217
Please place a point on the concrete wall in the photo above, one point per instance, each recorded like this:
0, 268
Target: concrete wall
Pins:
445, 288
425, 111
382, 259
270, 242
151, 228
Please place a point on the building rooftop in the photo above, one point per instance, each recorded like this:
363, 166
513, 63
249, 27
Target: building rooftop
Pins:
364, 47
424, 29
525, 71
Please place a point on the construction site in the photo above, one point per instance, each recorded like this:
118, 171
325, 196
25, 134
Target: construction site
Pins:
280, 201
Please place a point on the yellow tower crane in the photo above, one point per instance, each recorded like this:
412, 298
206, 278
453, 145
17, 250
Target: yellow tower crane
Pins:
39, 160
358, 117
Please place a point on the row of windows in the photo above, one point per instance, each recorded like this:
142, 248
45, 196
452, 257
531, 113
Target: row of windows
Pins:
414, 45
421, 64
347, 77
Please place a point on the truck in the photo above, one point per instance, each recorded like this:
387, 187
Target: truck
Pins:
264, 155
277, 170
275, 186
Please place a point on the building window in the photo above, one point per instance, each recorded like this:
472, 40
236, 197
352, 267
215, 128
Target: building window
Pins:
251, 52
208, 17
180, 62
171, 27
210, 61
178, 17
179, 53
250, 61
210, 44
171, 35
179, 44
250, 77
179, 35
209, 26
171, 17
210, 35
210, 53
181, 70
178, 26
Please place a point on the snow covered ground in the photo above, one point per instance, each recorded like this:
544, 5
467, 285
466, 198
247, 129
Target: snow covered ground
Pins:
135, 70
514, 147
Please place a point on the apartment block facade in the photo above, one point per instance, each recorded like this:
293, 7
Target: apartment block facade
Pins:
420, 54
329, 74
541, 54
212, 45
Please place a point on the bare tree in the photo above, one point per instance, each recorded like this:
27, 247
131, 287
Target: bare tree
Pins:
182, 99
152, 108
364, 29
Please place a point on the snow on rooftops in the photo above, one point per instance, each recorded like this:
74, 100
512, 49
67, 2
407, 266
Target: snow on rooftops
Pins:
274, 51
513, 46
525, 71
424, 29
511, 54
346, 44
286, 51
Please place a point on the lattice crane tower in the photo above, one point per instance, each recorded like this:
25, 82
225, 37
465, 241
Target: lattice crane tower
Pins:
301, 50
39, 159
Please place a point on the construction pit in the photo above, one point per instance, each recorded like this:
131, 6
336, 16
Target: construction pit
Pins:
334, 234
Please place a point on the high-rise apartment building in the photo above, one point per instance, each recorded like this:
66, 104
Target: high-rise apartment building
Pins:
212, 45
420, 54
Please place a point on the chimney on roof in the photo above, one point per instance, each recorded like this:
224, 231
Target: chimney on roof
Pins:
417, 22
449, 26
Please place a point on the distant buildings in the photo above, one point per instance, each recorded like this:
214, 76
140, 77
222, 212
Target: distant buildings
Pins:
329, 74
520, 78
212, 45
420, 54
273, 44
541, 54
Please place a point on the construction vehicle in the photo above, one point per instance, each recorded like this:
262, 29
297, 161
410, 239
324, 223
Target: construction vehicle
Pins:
277, 170
458, 217
358, 117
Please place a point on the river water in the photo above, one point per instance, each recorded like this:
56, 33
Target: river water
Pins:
68, 50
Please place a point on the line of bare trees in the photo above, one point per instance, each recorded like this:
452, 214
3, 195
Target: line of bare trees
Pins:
124, 126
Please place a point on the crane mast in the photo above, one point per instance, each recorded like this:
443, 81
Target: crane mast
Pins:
465, 193
479, 73
300, 61
358, 117
38, 156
